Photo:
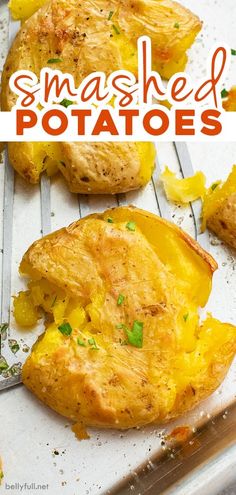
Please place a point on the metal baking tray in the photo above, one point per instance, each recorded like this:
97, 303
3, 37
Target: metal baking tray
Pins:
37, 445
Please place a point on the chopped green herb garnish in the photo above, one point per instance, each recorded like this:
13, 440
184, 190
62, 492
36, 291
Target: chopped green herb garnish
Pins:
224, 93
3, 328
14, 346
123, 342
53, 302
214, 186
65, 329
120, 299
233, 52
115, 29
176, 25
93, 344
3, 364
135, 336
54, 61
131, 226
109, 220
15, 369
81, 342
185, 317
110, 15
66, 103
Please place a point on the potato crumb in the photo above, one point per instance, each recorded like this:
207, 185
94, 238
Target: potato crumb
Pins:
80, 431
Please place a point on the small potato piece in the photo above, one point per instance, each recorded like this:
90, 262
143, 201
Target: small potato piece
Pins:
223, 221
25, 313
219, 209
129, 349
183, 190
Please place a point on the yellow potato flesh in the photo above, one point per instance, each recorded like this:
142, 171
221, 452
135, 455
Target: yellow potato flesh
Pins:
77, 275
26, 314
23, 9
183, 190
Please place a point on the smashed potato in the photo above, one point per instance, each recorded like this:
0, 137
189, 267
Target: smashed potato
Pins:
89, 168
123, 346
83, 38
219, 209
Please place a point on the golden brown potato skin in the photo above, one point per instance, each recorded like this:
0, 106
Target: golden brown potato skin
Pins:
84, 39
163, 275
223, 221
219, 209
105, 167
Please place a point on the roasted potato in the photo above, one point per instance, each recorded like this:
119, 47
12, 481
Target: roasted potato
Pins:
123, 345
219, 209
91, 168
85, 37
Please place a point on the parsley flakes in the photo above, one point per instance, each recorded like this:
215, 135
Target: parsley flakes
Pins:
224, 93
120, 299
54, 61
115, 29
81, 342
3, 364
14, 346
93, 344
65, 329
66, 103
135, 336
214, 186
3, 328
131, 226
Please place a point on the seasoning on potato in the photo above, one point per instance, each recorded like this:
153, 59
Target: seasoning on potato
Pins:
80, 39
124, 345
219, 209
